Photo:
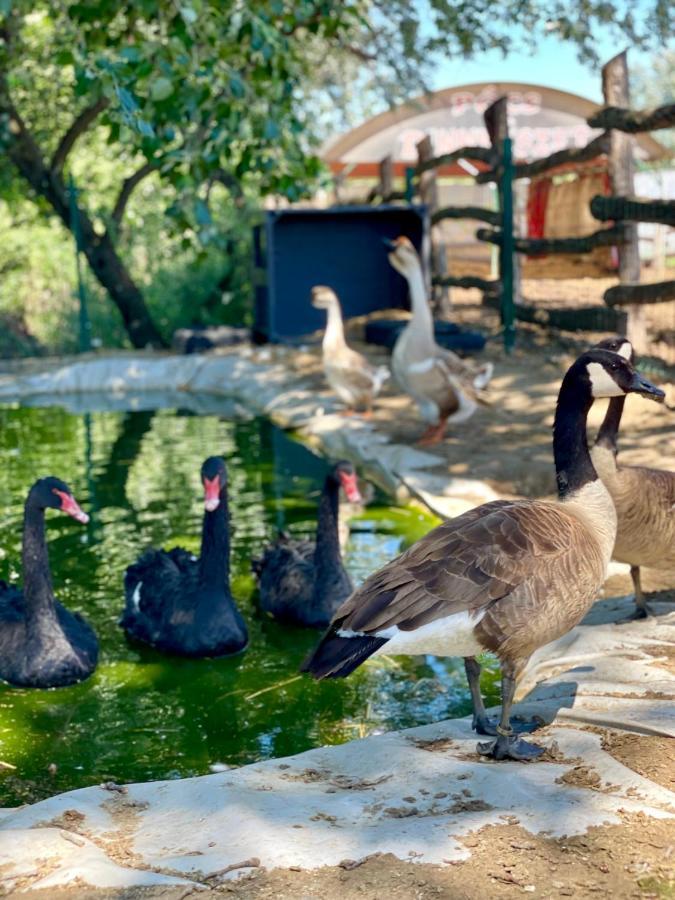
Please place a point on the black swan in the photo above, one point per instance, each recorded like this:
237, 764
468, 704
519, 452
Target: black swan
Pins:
42, 644
302, 582
181, 604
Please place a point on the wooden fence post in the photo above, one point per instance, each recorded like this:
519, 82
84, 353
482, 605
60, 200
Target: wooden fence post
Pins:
428, 194
508, 271
616, 92
386, 177
497, 124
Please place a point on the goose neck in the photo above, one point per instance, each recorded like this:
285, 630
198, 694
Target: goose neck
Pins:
573, 464
214, 559
419, 303
327, 551
609, 430
334, 336
37, 582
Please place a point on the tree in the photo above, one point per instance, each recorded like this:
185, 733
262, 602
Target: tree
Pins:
201, 94
223, 96
653, 85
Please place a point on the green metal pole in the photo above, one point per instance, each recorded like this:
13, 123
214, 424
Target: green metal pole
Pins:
409, 184
85, 324
506, 247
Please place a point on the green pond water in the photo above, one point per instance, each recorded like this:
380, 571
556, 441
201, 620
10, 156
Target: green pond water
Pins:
143, 715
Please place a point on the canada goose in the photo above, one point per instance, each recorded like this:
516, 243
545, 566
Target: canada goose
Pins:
181, 604
442, 385
352, 377
644, 498
304, 582
43, 644
506, 577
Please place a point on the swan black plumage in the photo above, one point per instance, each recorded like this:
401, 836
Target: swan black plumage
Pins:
181, 604
304, 582
42, 644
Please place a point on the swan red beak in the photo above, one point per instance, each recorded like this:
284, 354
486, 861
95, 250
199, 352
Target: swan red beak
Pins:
351, 487
70, 506
211, 493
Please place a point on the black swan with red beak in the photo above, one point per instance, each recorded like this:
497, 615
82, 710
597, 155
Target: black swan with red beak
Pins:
42, 644
183, 605
304, 582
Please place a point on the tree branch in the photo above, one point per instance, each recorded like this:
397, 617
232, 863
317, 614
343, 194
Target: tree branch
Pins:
78, 126
126, 190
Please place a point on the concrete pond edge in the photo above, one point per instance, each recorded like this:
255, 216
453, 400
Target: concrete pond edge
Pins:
416, 793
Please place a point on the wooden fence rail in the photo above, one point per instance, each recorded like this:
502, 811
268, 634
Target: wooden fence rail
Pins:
491, 216
629, 208
639, 294
605, 237
634, 121
493, 288
570, 155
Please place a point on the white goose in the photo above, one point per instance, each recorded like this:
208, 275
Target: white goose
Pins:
352, 377
443, 385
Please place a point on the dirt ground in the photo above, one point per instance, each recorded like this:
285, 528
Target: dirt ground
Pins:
635, 859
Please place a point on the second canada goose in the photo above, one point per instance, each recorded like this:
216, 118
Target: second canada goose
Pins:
644, 498
352, 377
506, 577
443, 386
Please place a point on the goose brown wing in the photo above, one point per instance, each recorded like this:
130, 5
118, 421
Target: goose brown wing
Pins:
435, 383
466, 564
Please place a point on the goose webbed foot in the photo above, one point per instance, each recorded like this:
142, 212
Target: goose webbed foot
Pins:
507, 745
642, 609
434, 434
519, 725
639, 614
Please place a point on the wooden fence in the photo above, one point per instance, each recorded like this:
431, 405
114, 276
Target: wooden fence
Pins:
624, 305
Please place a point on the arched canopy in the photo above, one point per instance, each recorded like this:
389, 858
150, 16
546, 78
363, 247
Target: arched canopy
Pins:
542, 121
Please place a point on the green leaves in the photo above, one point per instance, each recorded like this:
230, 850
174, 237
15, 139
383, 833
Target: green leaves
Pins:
161, 88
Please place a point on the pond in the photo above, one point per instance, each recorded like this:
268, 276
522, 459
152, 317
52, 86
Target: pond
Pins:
145, 716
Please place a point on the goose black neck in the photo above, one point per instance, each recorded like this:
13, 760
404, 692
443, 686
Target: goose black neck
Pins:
573, 465
327, 553
609, 430
214, 560
37, 581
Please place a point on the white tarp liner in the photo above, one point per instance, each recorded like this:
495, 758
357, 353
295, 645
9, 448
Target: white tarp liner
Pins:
413, 793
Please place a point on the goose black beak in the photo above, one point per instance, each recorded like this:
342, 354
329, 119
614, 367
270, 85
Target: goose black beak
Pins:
640, 385
389, 244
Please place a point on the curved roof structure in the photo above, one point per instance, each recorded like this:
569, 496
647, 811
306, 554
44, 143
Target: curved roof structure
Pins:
542, 120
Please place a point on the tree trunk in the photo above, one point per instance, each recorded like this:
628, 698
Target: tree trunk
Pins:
106, 265
115, 278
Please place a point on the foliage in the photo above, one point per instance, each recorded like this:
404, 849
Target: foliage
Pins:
654, 85
177, 119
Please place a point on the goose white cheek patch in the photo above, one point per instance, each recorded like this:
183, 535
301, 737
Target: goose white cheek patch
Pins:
602, 383
625, 350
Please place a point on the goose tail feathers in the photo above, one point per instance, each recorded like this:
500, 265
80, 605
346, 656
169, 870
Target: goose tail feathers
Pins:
337, 656
482, 377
